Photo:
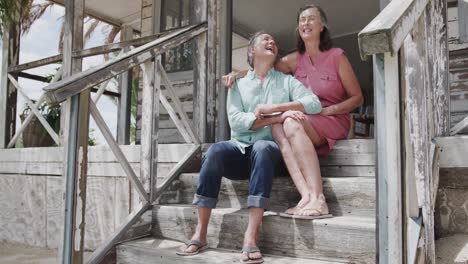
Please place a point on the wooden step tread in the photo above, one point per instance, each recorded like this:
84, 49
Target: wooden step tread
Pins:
349, 238
152, 250
345, 195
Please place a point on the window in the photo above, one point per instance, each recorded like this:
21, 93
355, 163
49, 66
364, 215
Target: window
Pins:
175, 14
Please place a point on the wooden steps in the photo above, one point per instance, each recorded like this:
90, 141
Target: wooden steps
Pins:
150, 250
349, 237
345, 195
342, 238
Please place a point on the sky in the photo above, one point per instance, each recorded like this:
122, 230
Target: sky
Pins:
42, 41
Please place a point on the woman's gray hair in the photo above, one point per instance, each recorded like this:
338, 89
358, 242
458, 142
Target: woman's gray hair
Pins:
252, 43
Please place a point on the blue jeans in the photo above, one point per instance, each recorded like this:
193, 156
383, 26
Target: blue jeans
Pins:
225, 159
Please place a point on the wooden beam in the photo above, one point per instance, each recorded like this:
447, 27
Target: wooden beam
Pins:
463, 20
459, 126
33, 77
386, 32
212, 71
83, 53
101, 123
125, 99
387, 127
198, 14
99, 254
104, 49
454, 151
178, 105
36, 111
79, 82
226, 21
94, 14
175, 172
35, 64
438, 67
416, 125
74, 125
8, 94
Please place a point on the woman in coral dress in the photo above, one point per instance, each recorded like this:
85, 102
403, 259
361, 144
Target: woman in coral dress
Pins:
326, 71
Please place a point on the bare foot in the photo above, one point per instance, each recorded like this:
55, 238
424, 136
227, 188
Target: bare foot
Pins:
315, 207
193, 248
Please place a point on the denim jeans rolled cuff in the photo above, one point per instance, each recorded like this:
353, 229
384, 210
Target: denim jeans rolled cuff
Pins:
257, 202
205, 202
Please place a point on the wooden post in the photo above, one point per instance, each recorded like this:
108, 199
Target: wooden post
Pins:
387, 127
198, 14
438, 106
125, 99
150, 127
225, 17
416, 141
8, 94
212, 73
75, 139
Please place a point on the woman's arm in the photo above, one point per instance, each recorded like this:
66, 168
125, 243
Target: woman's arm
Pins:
229, 79
288, 63
351, 85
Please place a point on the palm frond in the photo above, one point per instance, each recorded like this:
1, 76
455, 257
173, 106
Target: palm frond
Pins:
110, 38
12, 11
35, 13
94, 24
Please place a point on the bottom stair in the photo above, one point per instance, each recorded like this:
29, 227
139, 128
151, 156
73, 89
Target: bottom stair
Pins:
151, 250
342, 238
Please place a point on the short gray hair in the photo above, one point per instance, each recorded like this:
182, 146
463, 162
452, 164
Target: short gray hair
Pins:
252, 43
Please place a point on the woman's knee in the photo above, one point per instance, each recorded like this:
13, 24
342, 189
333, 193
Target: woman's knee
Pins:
292, 127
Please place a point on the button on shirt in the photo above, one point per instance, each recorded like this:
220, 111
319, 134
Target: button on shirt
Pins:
249, 91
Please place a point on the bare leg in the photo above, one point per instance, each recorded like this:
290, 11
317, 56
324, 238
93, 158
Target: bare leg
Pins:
251, 234
202, 228
307, 159
293, 167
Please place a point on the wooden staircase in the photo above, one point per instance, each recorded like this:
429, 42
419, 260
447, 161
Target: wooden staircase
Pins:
349, 237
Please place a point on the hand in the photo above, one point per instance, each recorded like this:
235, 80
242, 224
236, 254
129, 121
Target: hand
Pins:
327, 111
229, 79
263, 109
296, 115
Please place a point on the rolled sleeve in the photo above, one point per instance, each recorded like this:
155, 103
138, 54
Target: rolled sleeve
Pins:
239, 120
298, 92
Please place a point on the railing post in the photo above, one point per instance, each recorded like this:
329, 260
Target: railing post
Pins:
125, 99
200, 82
8, 94
222, 131
387, 127
150, 127
74, 138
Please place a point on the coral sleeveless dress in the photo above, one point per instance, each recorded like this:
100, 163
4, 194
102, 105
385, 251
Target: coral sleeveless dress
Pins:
322, 78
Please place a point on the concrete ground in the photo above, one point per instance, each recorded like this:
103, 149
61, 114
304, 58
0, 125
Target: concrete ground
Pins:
21, 254
452, 249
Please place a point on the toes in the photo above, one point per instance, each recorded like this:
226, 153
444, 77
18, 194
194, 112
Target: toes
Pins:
190, 249
255, 255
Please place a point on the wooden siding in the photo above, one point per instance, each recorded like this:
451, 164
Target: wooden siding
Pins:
31, 191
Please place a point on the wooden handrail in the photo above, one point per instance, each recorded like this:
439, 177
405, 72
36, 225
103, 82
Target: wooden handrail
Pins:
386, 32
60, 91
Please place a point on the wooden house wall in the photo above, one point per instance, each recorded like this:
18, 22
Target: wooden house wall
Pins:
31, 193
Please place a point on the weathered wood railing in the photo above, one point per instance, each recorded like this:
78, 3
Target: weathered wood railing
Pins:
408, 43
153, 73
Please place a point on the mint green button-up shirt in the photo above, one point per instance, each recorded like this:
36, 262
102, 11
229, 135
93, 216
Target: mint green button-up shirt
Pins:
248, 92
